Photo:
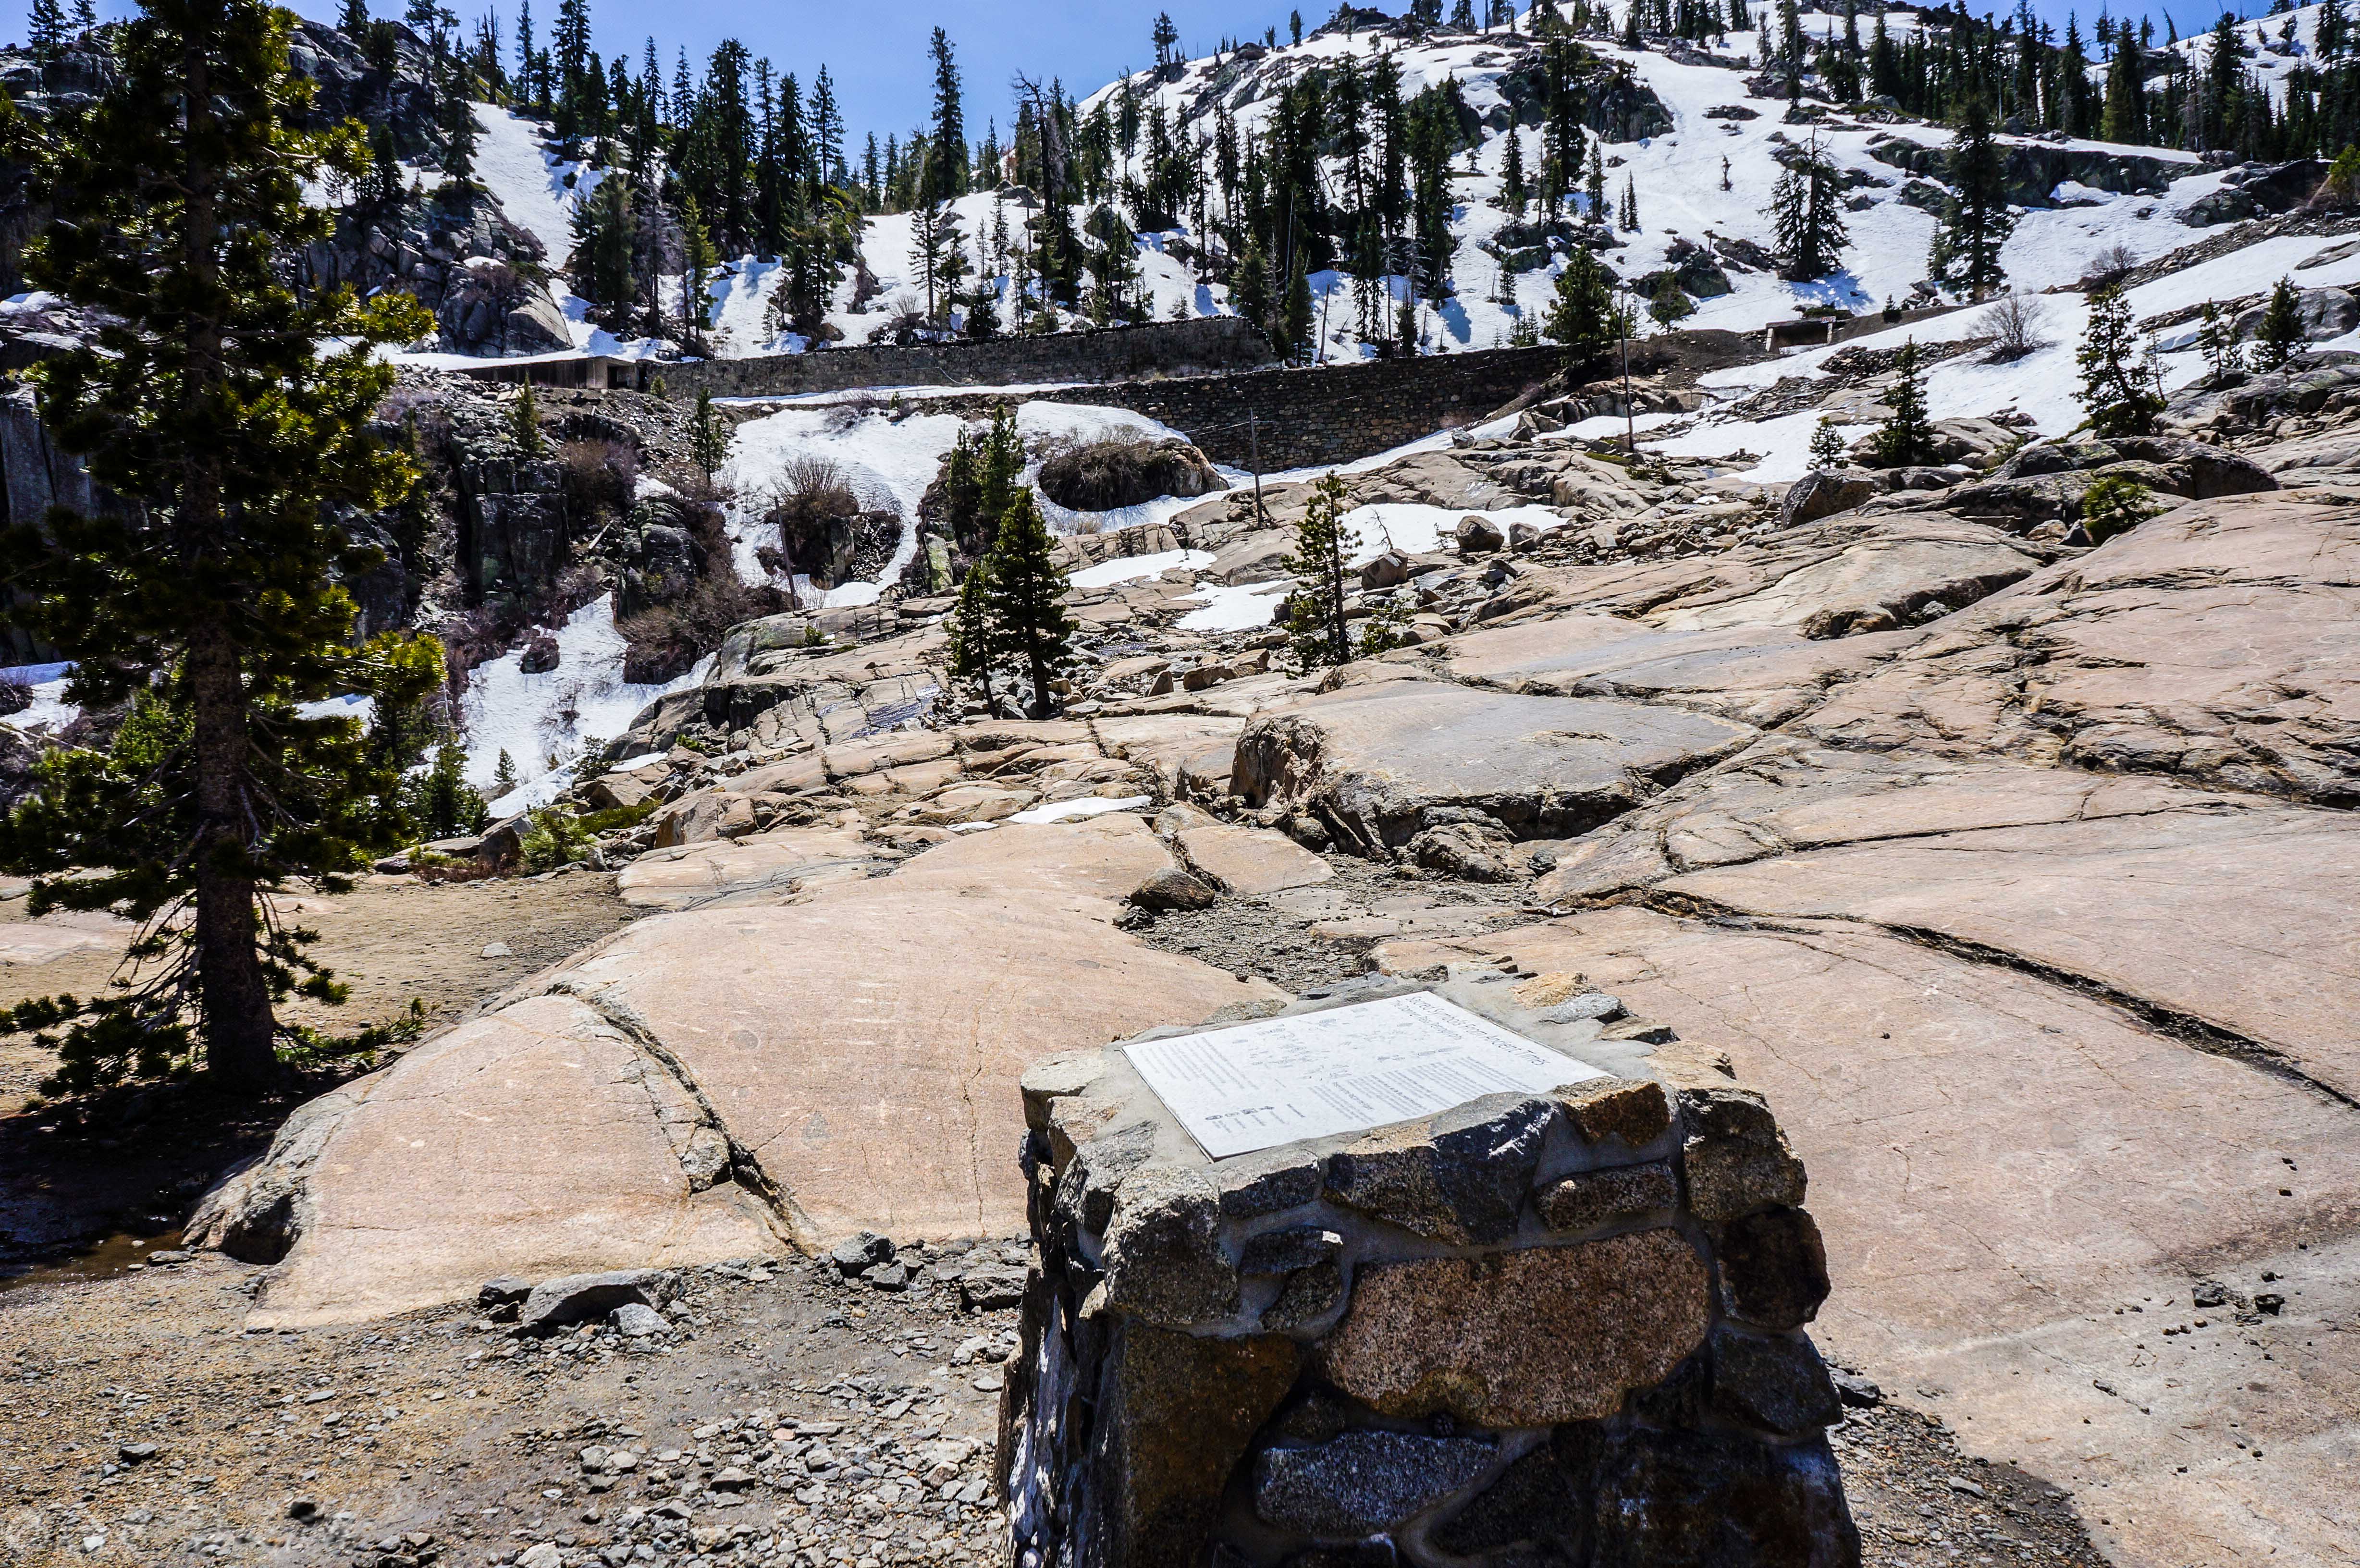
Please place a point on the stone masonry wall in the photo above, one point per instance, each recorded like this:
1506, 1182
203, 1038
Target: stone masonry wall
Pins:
1559, 1331
1209, 345
1310, 415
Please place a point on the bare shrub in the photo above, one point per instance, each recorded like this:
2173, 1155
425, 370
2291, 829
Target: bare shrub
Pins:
599, 477
665, 641
2110, 266
2016, 324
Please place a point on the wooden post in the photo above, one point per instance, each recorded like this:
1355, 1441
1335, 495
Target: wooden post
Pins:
1253, 448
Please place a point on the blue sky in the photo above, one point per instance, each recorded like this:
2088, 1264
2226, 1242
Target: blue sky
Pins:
877, 51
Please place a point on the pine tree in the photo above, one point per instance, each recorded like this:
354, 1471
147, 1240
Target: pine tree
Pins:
1807, 217
1593, 185
1630, 223
45, 26
1668, 304
946, 175
441, 803
1580, 313
2115, 391
708, 435
1514, 196
503, 776
1976, 220
1250, 284
1828, 450
524, 422
1905, 437
1296, 321
2124, 118
215, 599
1315, 628
2224, 356
1026, 592
966, 647
696, 250
2280, 335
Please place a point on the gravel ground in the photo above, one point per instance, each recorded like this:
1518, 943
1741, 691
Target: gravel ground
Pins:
787, 1416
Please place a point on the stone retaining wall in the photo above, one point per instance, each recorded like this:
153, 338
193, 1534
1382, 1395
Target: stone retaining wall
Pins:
1311, 415
1562, 1329
1207, 345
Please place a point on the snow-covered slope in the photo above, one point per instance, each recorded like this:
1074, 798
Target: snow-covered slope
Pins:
1678, 177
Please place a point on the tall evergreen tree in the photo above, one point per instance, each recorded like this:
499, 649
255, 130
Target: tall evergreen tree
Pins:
1514, 196
45, 27
1907, 436
1027, 590
2280, 335
1316, 629
2115, 391
946, 174
2124, 118
1808, 216
1976, 220
215, 598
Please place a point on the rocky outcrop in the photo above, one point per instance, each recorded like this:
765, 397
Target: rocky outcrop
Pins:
2034, 170
1379, 763
707, 1101
2048, 479
513, 524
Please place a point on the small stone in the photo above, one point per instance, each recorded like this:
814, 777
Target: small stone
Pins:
1779, 1385
497, 950
731, 1480
855, 1254
1460, 1179
1162, 1250
504, 1291
1737, 1160
988, 1288
1634, 1110
579, 1298
541, 1554
888, 1277
1592, 1198
137, 1452
1478, 536
635, 1320
1964, 1489
1534, 1500
1284, 1251
303, 1511
1857, 1392
165, 1256
1362, 1482
1529, 1338
1773, 1268
1308, 1295
1172, 888
1596, 1005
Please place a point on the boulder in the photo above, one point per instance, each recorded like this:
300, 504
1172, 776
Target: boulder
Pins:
2325, 312
1478, 536
1372, 760
1825, 492
1124, 471
559, 1303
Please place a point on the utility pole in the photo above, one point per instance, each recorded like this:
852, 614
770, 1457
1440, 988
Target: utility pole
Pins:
1253, 456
